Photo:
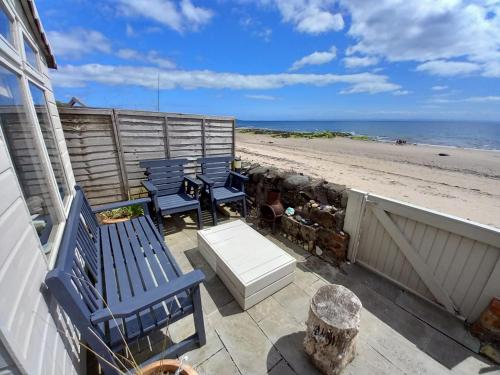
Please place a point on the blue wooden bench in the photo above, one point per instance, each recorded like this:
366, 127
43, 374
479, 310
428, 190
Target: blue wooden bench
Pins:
221, 184
170, 190
119, 282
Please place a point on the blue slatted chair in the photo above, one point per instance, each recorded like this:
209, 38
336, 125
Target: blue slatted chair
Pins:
119, 282
170, 190
221, 184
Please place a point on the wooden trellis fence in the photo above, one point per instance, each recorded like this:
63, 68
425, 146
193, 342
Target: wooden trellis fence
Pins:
106, 145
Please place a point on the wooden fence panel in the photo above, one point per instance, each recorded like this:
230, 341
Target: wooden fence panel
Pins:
185, 140
93, 153
142, 137
444, 259
219, 135
106, 145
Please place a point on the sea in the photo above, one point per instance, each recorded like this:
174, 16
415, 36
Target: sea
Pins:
462, 134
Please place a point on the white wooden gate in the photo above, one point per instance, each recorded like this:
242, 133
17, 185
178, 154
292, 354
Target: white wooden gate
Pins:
447, 260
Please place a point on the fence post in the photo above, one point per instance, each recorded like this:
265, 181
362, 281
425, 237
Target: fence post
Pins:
354, 217
121, 156
233, 149
203, 140
166, 141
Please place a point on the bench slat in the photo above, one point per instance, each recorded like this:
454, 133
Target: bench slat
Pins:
160, 266
162, 256
137, 284
122, 279
112, 296
147, 278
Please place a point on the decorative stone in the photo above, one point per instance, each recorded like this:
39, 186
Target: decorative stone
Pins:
487, 327
333, 243
339, 219
343, 199
323, 218
334, 193
296, 182
332, 328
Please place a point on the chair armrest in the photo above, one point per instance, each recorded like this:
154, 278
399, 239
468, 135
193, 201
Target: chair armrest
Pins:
204, 179
239, 176
149, 298
193, 182
112, 206
150, 187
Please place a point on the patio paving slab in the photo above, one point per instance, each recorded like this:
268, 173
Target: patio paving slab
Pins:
220, 363
296, 301
250, 349
282, 368
267, 338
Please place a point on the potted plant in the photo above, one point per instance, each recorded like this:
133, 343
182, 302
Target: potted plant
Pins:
120, 214
168, 366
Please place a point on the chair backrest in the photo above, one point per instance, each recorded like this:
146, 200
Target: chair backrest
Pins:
74, 281
216, 168
166, 174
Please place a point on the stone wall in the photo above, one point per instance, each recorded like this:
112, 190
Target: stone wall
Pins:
319, 209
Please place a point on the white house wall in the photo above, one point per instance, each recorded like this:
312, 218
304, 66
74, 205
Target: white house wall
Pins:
33, 331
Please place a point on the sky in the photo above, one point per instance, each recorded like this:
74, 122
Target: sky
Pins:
280, 59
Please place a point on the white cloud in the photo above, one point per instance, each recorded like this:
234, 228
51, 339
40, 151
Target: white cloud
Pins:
472, 99
79, 76
428, 30
256, 28
78, 42
401, 92
152, 57
264, 33
310, 16
179, 16
483, 99
358, 62
448, 68
261, 97
315, 58
439, 88
129, 30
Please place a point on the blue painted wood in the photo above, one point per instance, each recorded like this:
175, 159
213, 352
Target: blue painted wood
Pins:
116, 278
221, 184
170, 190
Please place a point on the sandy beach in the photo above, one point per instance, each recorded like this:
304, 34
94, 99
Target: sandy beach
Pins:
466, 183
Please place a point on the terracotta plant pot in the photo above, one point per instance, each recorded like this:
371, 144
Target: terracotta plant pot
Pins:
166, 366
114, 221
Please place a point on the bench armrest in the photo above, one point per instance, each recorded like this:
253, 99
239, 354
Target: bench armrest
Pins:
239, 176
204, 179
112, 206
150, 187
193, 182
149, 298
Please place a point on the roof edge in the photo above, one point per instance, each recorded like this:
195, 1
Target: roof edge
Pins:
34, 19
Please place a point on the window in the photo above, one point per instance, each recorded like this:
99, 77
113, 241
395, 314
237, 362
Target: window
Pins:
31, 54
42, 113
5, 25
20, 137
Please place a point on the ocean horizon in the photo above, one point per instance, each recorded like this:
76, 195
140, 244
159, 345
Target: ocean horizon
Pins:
463, 134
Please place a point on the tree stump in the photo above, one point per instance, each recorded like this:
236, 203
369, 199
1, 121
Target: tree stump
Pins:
332, 327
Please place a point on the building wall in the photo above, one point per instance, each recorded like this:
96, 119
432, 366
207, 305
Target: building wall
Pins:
35, 337
7, 366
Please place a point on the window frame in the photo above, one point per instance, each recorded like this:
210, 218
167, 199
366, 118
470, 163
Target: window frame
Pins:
10, 45
12, 57
45, 161
26, 38
69, 195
